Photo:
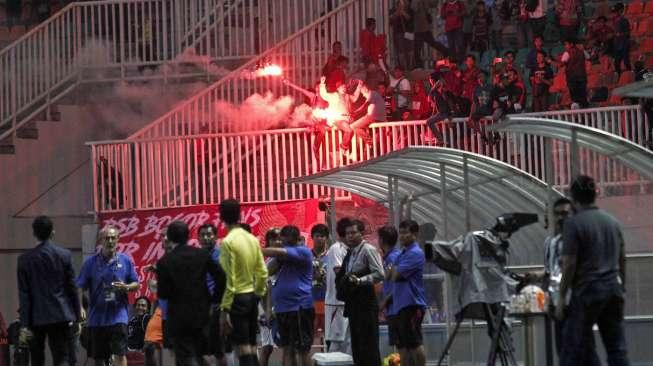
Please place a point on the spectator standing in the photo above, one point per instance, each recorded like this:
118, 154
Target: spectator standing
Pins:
541, 80
441, 110
388, 244
332, 60
419, 106
182, 281
481, 28
573, 60
108, 276
470, 78
320, 237
531, 56
402, 20
336, 325
47, 296
536, 11
594, 269
246, 273
621, 45
424, 30
408, 295
292, 298
481, 105
600, 38
212, 336
336, 75
453, 11
372, 45
569, 13
138, 324
362, 268
509, 64
400, 90
517, 91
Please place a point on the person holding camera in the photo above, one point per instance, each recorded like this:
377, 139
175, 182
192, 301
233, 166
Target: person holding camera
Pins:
361, 269
108, 276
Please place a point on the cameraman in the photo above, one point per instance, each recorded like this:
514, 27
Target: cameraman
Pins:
552, 274
361, 269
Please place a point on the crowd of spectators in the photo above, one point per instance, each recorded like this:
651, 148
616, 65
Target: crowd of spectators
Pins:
492, 58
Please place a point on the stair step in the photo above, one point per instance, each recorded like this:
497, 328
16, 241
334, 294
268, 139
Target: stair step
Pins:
7, 146
31, 133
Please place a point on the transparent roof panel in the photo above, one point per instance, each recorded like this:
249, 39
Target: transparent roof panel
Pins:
494, 188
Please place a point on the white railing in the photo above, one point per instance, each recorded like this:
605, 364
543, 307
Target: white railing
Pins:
256, 25
87, 41
112, 40
253, 166
301, 55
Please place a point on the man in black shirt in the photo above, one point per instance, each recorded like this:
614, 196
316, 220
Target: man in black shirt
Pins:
541, 79
440, 105
48, 300
593, 280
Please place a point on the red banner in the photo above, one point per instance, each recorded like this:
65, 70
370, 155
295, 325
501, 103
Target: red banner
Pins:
140, 232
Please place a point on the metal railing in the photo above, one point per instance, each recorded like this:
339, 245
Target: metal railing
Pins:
112, 40
302, 56
253, 166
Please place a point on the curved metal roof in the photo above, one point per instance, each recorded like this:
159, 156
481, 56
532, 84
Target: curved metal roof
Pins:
618, 148
494, 188
640, 89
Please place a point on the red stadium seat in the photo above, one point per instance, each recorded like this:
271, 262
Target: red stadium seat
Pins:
635, 8
648, 9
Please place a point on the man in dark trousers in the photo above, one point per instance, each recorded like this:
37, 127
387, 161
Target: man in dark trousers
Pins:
361, 269
108, 276
181, 275
48, 300
594, 270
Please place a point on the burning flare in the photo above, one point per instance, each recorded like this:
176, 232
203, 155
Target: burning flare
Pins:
330, 115
269, 70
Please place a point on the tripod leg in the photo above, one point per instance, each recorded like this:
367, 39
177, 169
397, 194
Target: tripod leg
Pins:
449, 342
495, 331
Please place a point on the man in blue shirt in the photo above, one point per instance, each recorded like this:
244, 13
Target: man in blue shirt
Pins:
213, 338
408, 295
108, 276
388, 244
292, 298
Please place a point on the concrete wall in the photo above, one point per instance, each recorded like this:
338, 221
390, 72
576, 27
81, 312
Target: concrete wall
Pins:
90, 113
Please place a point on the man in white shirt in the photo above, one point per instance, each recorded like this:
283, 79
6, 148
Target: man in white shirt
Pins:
335, 324
400, 89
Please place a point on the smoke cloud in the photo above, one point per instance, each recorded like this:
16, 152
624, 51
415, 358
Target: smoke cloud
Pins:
258, 112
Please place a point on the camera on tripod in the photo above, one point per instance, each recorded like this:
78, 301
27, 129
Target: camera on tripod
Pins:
482, 286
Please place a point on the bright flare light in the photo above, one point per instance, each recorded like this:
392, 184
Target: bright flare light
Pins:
329, 115
270, 70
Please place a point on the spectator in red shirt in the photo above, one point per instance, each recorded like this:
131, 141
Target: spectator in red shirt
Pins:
420, 108
470, 77
453, 12
332, 60
336, 75
372, 44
